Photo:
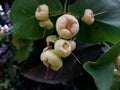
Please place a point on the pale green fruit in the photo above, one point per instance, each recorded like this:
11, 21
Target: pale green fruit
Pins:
62, 48
51, 39
117, 63
67, 26
49, 58
88, 17
46, 24
42, 12
73, 44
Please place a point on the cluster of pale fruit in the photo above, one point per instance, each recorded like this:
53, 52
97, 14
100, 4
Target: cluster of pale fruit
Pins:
67, 26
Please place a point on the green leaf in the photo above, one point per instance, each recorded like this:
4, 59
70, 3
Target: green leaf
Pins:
111, 8
23, 19
102, 69
34, 69
106, 25
23, 48
98, 32
115, 85
30, 29
26, 9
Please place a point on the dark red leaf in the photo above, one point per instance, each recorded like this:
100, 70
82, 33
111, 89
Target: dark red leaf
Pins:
35, 70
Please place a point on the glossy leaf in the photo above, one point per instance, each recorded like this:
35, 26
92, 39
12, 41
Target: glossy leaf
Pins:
111, 8
102, 69
35, 70
115, 85
30, 30
23, 19
106, 26
98, 32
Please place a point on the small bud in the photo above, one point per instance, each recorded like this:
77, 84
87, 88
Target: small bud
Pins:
67, 26
117, 63
88, 17
49, 58
62, 48
73, 44
47, 24
42, 12
51, 39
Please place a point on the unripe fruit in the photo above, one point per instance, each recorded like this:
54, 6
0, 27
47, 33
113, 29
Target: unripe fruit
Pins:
62, 48
42, 12
67, 26
49, 58
73, 44
117, 63
47, 24
88, 17
51, 39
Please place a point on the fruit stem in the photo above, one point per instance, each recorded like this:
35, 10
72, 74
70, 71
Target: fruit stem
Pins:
46, 72
44, 33
99, 13
76, 58
106, 45
35, 1
56, 14
65, 6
